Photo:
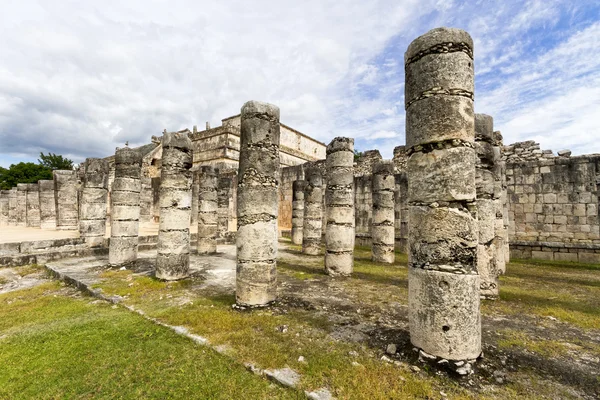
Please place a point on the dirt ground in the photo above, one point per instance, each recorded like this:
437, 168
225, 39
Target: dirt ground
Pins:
516, 346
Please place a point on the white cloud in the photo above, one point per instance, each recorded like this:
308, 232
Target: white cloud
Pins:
79, 78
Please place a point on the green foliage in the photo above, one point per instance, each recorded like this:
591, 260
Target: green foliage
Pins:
357, 154
23, 172
55, 161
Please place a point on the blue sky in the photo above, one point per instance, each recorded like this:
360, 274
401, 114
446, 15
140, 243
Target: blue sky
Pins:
81, 78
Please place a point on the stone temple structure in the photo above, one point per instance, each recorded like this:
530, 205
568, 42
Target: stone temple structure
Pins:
454, 198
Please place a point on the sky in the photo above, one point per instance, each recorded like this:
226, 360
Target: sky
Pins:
79, 78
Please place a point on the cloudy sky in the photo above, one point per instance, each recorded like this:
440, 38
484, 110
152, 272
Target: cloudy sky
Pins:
79, 78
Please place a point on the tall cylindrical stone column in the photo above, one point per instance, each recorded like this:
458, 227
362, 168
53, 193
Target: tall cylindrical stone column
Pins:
66, 199
313, 212
339, 207
443, 282
125, 208
382, 229
298, 188
173, 258
504, 201
223, 194
21, 208
257, 205
4, 207
486, 206
195, 178
401, 214
33, 205
12, 207
500, 230
92, 207
47, 204
207, 210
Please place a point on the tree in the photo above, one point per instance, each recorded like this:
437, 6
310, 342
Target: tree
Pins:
357, 154
54, 161
23, 173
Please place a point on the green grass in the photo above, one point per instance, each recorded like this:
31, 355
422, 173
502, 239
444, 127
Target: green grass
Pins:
567, 292
570, 293
54, 347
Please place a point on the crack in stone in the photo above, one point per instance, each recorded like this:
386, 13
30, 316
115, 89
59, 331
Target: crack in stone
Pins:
263, 116
385, 223
441, 145
440, 91
442, 48
252, 219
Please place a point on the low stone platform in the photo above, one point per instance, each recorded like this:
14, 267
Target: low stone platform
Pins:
217, 270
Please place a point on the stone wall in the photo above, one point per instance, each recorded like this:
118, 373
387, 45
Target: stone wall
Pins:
553, 204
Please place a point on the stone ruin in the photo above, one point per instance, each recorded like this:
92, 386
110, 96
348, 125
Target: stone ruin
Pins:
453, 198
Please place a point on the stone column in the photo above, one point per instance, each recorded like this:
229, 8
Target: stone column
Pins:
125, 208
65, 191
486, 206
21, 205
47, 204
33, 205
223, 193
313, 212
4, 207
401, 211
92, 207
257, 205
173, 258
339, 207
12, 207
503, 200
298, 188
443, 283
500, 229
195, 187
207, 210
382, 229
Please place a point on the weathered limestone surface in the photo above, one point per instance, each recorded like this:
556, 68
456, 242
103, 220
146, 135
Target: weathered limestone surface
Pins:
33, 205
257, 204
12, 206
313, 212
223, 194
339, 207
21, 205
4, 207
401, 211
66, 201
125, 207
195, 187
486, 185
92, 207
298, 188
173, 249
47, 204
444, 315
383, 212
208, 210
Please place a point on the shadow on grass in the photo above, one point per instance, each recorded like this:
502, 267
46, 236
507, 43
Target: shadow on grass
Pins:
559, 264
529, 299
554, 279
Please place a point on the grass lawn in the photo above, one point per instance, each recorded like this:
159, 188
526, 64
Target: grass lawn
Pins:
56, 344
541, 338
